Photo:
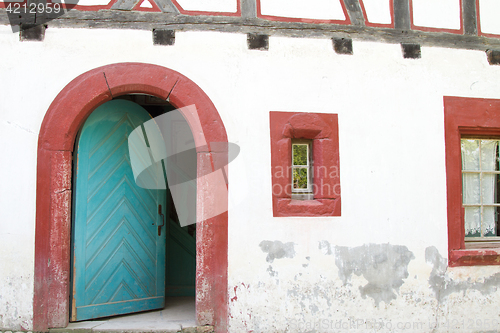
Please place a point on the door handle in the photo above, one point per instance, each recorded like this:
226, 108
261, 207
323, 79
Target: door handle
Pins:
162, 220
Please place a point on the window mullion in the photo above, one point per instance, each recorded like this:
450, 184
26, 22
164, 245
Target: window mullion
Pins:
309, 169
481, 188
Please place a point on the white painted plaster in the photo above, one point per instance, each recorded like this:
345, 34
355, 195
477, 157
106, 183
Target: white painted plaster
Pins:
444, 14
489, 12
313, 9
146, 4
228, 6
378, 11
392, 166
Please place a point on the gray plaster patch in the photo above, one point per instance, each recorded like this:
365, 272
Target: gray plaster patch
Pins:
306, 264
384, 266
442, 285
271, 272
277, 250
325, 247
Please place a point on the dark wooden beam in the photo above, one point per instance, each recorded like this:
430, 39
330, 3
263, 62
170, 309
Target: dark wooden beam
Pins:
258, 42
493, 57
355, 12
469, 14
402, 14
411, 51
31, 32
163, 37
117, 19
248, 8
342, 45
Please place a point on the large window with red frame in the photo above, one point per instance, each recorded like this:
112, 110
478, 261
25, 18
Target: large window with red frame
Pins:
472, 139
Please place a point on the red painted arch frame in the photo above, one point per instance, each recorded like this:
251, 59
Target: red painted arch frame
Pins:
60, 126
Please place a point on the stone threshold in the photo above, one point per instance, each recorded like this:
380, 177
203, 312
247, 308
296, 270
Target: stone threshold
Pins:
178, 316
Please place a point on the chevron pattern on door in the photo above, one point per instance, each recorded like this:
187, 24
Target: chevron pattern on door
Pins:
118, 257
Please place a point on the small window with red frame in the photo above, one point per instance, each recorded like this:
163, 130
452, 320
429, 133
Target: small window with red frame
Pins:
305, 164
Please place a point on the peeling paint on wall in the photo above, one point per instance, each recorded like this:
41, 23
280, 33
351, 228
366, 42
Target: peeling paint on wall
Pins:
384, 266
277, 250
442, 285
12, 305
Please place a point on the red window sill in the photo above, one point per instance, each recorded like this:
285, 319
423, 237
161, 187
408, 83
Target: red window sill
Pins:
317, 207
474, 257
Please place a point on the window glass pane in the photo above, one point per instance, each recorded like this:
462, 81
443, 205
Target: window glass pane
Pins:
490, 221
470, 154
489, 155
480, 188
300, 178
299, 154
472, 222
489, 190
471, 188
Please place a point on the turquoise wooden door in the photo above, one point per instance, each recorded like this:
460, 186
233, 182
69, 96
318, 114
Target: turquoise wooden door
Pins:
118, 257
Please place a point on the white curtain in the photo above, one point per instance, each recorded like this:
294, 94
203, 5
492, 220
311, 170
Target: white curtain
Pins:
473, 188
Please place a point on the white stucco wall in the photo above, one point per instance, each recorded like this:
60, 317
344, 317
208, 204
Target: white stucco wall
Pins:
392, 168
488, 12
316, 9
210, 6
437, 14
377, 11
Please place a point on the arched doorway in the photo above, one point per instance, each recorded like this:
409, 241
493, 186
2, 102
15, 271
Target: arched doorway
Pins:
56, 140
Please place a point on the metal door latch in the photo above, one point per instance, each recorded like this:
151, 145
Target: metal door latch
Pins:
162, 220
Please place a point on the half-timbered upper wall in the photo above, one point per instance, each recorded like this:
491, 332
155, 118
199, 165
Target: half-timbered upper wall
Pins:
467, 24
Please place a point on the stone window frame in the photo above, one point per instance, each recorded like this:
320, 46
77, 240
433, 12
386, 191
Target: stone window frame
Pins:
322, 130
465, 117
